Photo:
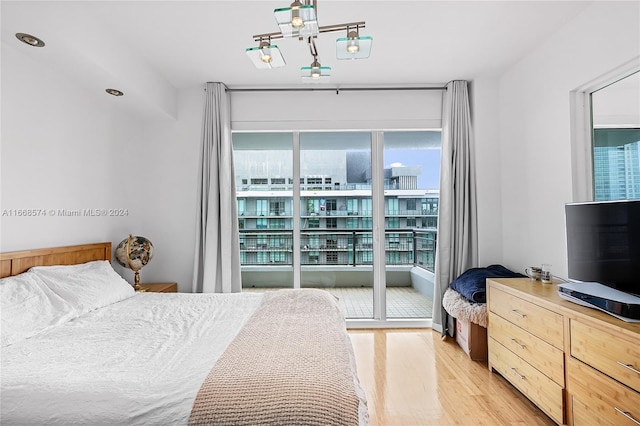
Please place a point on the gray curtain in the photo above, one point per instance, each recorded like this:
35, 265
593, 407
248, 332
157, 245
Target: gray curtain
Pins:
217, 253
457, 242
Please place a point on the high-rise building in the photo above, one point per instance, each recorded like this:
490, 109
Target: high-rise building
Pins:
335, 210
617, 171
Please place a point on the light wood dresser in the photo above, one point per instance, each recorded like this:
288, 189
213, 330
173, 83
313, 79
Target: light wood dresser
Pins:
578, 365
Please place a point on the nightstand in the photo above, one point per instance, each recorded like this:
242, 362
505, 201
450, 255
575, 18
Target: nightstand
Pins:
159, 287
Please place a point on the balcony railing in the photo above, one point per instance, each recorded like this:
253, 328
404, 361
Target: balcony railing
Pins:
360, 213
337, 247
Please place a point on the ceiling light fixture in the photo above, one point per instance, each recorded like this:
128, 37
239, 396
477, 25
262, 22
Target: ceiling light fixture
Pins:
114, 92
30, 40
266, 55
300, 20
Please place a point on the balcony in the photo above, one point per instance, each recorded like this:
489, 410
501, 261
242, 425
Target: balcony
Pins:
341, 261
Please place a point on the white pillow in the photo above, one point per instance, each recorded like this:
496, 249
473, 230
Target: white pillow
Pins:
87, 286
28, 307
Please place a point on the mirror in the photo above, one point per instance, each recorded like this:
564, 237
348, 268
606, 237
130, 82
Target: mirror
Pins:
615, 118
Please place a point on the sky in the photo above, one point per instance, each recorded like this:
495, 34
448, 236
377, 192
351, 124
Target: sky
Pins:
429, 159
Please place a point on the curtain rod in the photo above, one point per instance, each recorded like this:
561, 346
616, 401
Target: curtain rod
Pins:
329, 89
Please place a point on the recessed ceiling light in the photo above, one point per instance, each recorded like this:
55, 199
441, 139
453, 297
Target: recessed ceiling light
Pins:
30, 40
114, 92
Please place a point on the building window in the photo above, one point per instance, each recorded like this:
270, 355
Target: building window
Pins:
393, 222
392, 206
276, 208
314, 223
616, 164
332, 223
367, 208
411, 204
276, 224
411, 222
262, 207
327, 180
261, 223
314, 181
332, 205
332, 257
278, 181
352, 206
352, 223
242, 206
259, 181
367, 223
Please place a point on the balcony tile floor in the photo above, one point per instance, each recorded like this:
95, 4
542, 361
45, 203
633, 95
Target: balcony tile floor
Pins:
357, 302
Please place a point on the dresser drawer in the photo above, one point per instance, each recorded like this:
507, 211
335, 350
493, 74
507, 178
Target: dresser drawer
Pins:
540, 354
615, 355
541, 322
598, 399
541, 390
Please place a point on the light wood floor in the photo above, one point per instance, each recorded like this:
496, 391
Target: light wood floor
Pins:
412, 377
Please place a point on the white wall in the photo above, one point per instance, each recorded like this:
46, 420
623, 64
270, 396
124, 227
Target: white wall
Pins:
66, 148
534, 123
63, 148
483, 93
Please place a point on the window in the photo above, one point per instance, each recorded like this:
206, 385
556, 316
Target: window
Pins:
335, 228
392, 206
277, 224
366, 206
616, 140
276, 208
261, 207
352, 206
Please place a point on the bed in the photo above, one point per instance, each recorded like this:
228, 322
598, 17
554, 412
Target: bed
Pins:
79, 346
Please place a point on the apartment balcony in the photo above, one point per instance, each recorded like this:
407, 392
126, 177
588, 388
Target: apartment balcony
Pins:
341, 261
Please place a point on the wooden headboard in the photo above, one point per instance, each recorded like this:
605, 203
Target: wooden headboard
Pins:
14, 263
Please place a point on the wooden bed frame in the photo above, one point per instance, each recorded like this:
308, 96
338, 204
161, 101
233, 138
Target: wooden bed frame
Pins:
14, 263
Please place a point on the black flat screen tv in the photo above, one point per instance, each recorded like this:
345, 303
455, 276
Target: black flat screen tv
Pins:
603, 243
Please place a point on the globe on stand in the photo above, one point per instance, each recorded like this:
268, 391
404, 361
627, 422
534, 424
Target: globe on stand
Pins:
134, 252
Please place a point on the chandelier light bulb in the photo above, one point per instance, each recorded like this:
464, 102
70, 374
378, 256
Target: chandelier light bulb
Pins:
353, 46
265, 52
315, 70
296, 20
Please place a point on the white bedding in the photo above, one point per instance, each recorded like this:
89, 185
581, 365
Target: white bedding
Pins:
102, 360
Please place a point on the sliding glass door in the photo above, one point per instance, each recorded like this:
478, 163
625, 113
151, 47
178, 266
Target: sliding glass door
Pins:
350, 212
336, 252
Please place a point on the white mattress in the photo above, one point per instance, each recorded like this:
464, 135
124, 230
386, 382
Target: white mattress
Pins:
96, 369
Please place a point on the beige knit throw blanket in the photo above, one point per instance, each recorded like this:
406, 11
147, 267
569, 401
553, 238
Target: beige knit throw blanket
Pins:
291, 364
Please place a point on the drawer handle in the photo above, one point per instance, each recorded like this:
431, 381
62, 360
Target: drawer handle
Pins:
520, 314
627, 415
517, 374
515, 342
629, 366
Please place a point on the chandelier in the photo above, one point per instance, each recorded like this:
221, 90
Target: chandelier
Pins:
300, 21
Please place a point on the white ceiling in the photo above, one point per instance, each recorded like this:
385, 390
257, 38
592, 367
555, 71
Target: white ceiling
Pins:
158, 47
